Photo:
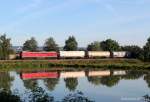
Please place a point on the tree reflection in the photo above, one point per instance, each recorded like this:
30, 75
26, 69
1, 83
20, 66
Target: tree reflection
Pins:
39, 95
133, 74
71, 83
94, 80
7, 96
30, 84
110, 81
76, 97
147, 79
146, 98
5, 80
51, 83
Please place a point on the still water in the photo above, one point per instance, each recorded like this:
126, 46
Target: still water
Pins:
80, 85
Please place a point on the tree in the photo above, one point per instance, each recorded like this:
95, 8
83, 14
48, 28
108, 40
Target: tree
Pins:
30, 45
136, 51
95, 46
50, 45
5, 47
110, 45
147, 50
71, 44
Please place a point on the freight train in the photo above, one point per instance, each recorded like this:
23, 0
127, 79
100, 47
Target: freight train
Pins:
74, 54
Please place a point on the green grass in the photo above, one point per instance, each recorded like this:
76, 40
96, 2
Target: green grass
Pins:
77, 63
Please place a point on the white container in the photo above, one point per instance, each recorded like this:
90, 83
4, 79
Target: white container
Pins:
98, 54
72, 74
74, 54
119, 72
99, 73
120, 54
12, 56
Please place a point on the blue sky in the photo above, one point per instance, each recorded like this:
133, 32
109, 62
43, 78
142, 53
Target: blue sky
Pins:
127, 21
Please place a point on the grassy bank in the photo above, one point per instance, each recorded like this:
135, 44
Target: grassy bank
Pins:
77, 63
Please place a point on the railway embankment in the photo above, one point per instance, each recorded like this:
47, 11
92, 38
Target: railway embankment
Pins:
76, 63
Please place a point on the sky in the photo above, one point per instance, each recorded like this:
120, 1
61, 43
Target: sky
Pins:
126, 21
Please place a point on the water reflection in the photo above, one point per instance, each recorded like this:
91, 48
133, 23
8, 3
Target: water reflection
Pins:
71, 83
30, 84
51, 83
147, 79
54, 82
5, 80
110, 81
40, 95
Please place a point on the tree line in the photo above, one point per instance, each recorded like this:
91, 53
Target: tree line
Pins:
71, 44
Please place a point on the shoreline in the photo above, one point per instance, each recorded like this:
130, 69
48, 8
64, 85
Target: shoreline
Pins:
77, 63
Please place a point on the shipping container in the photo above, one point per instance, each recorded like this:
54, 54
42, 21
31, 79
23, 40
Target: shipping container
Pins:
26, 54
39, 75
92, 54
99, 73
119, 72
121, 54
72, 74
71, 54
12, 56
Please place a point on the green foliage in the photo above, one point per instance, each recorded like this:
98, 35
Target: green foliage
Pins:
50, 45
7, 96
110, 45
95, 46
30, 45
147, 50
5, 47
136, 51
102, 63
71, 44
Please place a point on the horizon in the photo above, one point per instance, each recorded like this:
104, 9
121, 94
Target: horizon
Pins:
127, 22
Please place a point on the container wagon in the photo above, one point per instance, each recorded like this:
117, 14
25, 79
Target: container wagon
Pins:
72, 74
98, 54
119, 72
26, 54
120, 54
71, 54
99, 73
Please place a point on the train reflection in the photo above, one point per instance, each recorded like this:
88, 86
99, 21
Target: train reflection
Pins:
70, 74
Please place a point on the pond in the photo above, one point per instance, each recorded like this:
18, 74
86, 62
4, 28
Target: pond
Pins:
74, 85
